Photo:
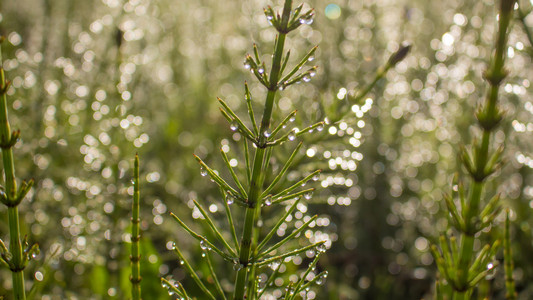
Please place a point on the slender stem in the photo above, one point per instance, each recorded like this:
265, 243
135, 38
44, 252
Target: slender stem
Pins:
509, 265
15, 245
253, 211
488, 118
135, 236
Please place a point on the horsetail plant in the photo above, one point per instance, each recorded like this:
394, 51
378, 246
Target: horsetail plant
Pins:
510, 286
457, 261
250, 252
20, 252
135, 236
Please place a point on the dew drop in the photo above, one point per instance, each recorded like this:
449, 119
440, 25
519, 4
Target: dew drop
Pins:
306, 78
311, 58
230, 199
308, 195
275, 264
307, 20
322, 279
320, 127
203, 172
312, 73
237, 267
321, 248
268, 200
182, 262
261, 70
234, 125
292, 119
291, 136
266, 134
247, 64
316, 177
203, 245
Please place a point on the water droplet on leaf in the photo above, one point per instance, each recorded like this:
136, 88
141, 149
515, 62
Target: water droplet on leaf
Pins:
234, 125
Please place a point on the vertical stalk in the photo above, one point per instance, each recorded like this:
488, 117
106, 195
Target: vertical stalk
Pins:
508, 258
253, 211
464, 273
135, 236
488, 118
15, 245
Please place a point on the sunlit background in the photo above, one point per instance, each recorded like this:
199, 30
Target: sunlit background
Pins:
94, 82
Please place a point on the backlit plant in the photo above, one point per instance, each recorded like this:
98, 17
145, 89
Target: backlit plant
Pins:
20, 252
251, 191
461, 265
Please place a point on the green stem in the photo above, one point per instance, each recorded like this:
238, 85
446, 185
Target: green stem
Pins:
15, 245
135, 236
253, 211
509, 265
461, 295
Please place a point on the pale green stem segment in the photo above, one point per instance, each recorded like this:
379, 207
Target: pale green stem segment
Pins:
509, 264
15, 245
253, 212
135, 236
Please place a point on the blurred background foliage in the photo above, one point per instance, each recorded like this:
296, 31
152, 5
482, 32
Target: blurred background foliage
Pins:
96, 81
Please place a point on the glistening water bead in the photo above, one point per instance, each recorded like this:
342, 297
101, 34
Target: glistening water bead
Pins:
203, 245
234, 125
306, 20
292, 136
275, 264
322, 279
203, 172
268, 200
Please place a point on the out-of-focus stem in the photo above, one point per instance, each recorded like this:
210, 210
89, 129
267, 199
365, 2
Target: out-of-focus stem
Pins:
508, 258
15, 245
135, 236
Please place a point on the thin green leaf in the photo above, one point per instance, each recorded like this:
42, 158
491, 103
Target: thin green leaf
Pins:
288, 238
214, 228
193, 274
233, 175
278, 224
202, 239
